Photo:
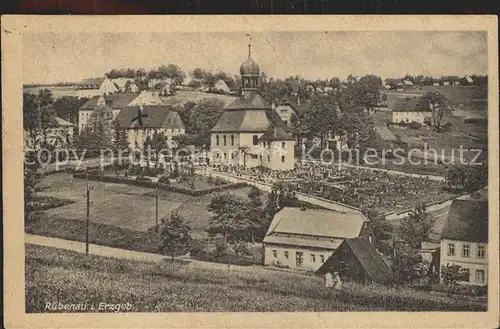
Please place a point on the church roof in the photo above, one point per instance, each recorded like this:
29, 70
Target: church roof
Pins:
275, 133
242, 121
254, 102
249, 67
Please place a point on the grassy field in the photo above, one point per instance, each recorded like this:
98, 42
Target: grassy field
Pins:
68, 277
125, 206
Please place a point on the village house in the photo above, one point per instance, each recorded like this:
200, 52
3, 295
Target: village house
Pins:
358, 260
131, 88
121, 83
305, 239
116, 102
95, 87
409, 110
160, 119
147, 97
287, 109
464, 239
469, 80
236, 138
221, 85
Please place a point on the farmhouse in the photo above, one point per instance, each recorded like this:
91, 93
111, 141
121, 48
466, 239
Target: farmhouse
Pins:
248, 133
160, 119
121, 83
147, 97
287, 109
221, 85
305, 239
358, 260
132, 88
409, 110
95, 87
116, 102
464, 240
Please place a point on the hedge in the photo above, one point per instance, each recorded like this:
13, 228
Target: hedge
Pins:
183, 190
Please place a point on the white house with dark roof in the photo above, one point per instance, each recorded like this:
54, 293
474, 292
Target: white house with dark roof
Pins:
221, 85
236, 138
116, 102
160, 119
95, 87
464, 239
409, 110
305, 239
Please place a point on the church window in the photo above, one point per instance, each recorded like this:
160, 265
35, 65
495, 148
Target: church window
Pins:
232, 140
283, 144
217, 139
268, 158
225, 140
255, 139
282, 158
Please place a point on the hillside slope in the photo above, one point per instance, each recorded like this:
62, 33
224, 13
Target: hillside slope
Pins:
70, 277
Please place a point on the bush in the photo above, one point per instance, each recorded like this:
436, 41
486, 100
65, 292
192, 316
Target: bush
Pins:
142, 179
164, 180
414, 125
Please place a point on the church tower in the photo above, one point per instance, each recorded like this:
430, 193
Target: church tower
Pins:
249, 71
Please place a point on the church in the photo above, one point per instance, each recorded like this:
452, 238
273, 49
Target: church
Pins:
249, 133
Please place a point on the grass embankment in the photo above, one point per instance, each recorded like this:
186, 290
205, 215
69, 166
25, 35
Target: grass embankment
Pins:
54, 275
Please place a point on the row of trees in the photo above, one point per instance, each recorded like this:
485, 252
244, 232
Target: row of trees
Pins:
171, 71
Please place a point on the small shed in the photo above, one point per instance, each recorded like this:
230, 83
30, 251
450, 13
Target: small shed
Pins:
357, 259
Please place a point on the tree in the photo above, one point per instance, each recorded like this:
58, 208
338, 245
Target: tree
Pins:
321, 119
230, 216
416, 227
335, 82
141, 73
203, 117
171, 71
439, 105
67, 107
121, 138
98, 135
452, 274
31, 179
159, 143
174, 235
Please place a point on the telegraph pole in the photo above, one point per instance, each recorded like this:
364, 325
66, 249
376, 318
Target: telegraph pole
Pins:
88, 221
157, 201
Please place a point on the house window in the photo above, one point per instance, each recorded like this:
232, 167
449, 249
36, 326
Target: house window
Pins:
282, 144
466, 250
480, 252
313, 258
254, 156
275, 253
286, 254
451, 249
255, 139
82, 126
299, 258
232, 140
217, 139
268, 158
232, 155
466, 275
282, 158
322, 258
225, 140
479, 276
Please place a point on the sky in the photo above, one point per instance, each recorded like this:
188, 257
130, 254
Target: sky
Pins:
50, 58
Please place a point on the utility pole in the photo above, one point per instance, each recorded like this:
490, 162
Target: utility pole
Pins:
157, 197
88, 221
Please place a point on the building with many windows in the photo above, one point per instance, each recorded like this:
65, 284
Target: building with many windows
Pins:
249, 133
305, 239
464, 240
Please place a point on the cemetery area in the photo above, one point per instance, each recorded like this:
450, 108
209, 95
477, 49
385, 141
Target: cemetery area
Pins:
358, 187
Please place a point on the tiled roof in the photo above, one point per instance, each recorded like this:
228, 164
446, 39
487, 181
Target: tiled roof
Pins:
317, 222
296, 241
91, 104
242, 121
63, 123
467, 221
409, 105
115, 101
159, 116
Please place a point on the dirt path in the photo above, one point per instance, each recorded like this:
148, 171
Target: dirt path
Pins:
99, 250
